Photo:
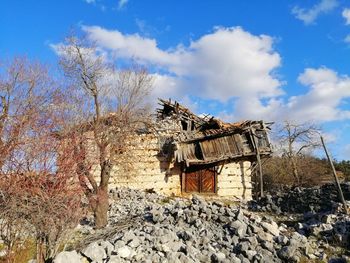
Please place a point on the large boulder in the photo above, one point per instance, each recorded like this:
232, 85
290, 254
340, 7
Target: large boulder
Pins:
95, 252
67, 257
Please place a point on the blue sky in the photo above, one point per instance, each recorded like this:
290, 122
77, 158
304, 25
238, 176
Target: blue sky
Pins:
271, 60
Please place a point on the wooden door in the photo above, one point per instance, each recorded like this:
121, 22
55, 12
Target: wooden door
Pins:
200, 181
207, 181
192, 181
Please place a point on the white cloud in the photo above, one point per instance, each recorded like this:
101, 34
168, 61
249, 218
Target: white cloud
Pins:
122, 3
142, 26
234, 67
90, 1
308, 16
229, 62
347, 39
327, 91
321, 103
346, 15
129, 46
148, 30
166, 86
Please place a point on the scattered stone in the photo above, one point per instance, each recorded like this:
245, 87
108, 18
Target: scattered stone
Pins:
95, 252
124, 252
300, 200
163, 229
67, 257
271, 228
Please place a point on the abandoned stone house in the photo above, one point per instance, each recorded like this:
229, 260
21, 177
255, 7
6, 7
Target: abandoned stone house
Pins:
186, 153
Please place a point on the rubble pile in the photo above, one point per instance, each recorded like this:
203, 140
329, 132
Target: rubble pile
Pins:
165, 229
322, 219
333, 229
300, 200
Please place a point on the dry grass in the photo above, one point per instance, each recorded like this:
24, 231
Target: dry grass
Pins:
22, 253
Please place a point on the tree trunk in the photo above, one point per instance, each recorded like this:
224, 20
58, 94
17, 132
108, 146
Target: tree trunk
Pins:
295, 170
40, 250
101, 208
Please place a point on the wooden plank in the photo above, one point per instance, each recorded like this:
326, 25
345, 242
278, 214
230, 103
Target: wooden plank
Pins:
192, 182
207, 181
259, 163
239, 143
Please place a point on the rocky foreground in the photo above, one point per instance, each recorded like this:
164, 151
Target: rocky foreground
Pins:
146, 227
318, 199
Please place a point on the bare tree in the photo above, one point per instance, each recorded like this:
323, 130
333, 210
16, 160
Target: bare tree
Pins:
38, 194
115, 109
296, 139
23, 85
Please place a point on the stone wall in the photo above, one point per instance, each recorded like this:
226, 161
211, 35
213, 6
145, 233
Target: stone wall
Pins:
146, 166
235, 180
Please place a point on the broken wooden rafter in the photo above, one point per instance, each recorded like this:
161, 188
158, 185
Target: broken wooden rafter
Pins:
206, 140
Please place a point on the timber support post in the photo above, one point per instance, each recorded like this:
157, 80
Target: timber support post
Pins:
340, 192
258, 159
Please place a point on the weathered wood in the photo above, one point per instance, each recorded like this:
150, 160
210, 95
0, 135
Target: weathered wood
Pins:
192, 182
340, 192
207, 181
200, 181
258, 159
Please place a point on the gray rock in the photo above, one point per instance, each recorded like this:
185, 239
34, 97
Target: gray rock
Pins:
243, 246
266, 256
204, 240
184, 235
114, 259
168, 237
175, 245
235, 240
198, 200
271, 228
67, 257
134, 243
235, 259
265, 236
128, 236
108, 246
282, 240
125, 252
240, 216
119, 244
252, 240
250, 254
287, 252
239, 228
268, 245
243, 259
220, 256
94, 252
223, 219
337, 260
217, 257
172, 257
196, 230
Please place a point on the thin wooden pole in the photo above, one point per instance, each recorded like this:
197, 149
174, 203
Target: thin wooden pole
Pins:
259, 163
340, 192
260, 173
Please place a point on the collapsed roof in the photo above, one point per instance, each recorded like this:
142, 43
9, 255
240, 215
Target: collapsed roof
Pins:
207, 140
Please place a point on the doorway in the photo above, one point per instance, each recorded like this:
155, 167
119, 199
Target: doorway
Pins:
199, 180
